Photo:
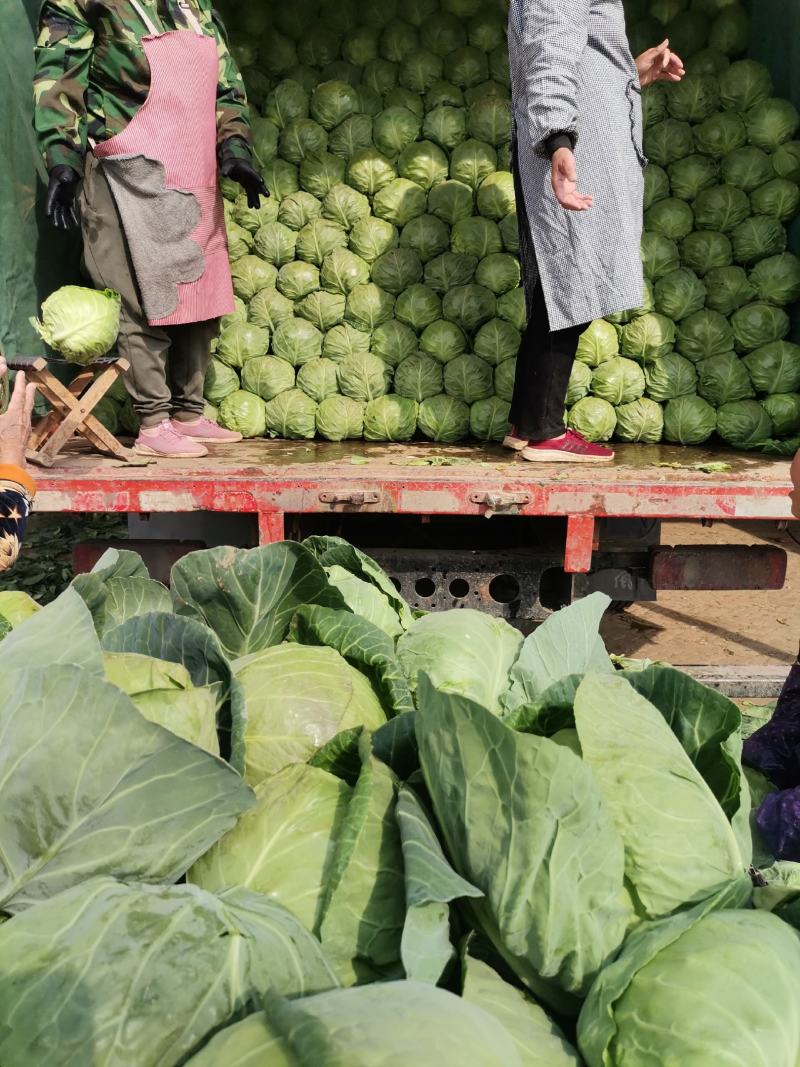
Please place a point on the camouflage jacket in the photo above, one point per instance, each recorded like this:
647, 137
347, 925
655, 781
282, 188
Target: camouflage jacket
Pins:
92, 75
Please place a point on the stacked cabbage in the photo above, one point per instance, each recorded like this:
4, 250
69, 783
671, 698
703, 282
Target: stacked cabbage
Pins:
378, 290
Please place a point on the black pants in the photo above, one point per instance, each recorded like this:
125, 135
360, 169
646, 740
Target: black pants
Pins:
545, 357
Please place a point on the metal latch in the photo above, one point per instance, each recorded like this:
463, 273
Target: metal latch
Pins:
494, 502
354, 500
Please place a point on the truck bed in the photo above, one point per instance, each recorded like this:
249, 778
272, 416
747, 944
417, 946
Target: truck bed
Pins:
276, 478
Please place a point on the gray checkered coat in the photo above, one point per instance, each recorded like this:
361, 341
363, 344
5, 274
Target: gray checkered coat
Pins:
572, 70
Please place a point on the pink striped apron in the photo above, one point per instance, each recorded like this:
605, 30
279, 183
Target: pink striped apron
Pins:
177, 127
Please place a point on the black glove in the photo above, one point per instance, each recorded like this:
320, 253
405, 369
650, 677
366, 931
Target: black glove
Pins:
59, 204
239, 170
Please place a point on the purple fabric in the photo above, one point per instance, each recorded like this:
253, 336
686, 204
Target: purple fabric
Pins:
774, 749
778, 819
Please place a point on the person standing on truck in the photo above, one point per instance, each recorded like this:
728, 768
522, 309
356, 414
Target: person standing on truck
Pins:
17, 488
142, 101
577, 121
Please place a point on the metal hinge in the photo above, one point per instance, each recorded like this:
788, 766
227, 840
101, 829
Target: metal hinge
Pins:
494, 502
355, 500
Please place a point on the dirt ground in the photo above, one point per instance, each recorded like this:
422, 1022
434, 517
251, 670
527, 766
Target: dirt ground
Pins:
729, 628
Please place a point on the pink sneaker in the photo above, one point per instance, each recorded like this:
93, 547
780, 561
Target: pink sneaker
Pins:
205, 430
167, 443
571, 448
514, 442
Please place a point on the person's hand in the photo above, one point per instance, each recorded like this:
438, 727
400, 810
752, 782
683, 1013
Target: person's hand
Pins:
659, 64
15, 425
239, 170
795, 494
565, 182
59, 204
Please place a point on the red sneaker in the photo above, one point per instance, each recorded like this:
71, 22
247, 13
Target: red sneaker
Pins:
571, 448
514, 442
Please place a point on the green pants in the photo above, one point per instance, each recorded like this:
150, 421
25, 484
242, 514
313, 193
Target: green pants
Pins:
168, 363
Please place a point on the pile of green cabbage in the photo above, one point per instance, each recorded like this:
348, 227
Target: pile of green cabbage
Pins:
269, 816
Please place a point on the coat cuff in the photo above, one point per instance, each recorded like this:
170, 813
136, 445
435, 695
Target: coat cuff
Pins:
235, 148
11, 473
63, 155
559, 140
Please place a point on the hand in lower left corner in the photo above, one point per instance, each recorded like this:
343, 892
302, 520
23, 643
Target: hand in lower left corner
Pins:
15, 424
239, 170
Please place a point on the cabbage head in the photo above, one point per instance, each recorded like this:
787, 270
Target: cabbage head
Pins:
297, 279
597, 343
694, 98
287, 101
444, 418
744, 424
504, 376
274, 243
771, 123
298, 698
784, 411
424, 163
472, 161
395, 128
451, 201
778, 198
361, 46
220, 381
80, 324
722, 379
640, 422
281, 178
342, 270
324, 310
265, 139
786, 161
495, 197
580, 382
755, 325
240, 241
397, 40
351, 136
426, 235
319, 174
747, 168
446, 126
363, 377
420, 69
318, 238
393, 342
728, 288
777, 279
721, 208
725, 952
689, 420
468, 378
449, 270
720, 134
340, 418
648, 338
691, 175
243, 412
250, 274
489, 419
489, 120
671, 218
368, 306
496, 341
369, 171
297, 341
291, 414
343, 341
758, 237
743, 85
318, 379
499, 272
442, 34
668, 141
618, 380
397, 269
242, 341
660, 256
679, 294
418, 306
469, 306
399, 202
704, 250
266, 376
513, 308
593, 418
775, 367
298, 209
418, 377
707, 61
344, 206
332, 102
672, 375
656, 185
371, 237
390, 418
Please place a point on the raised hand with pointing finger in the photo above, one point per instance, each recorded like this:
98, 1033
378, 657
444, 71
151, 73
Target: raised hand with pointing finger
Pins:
659, 64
